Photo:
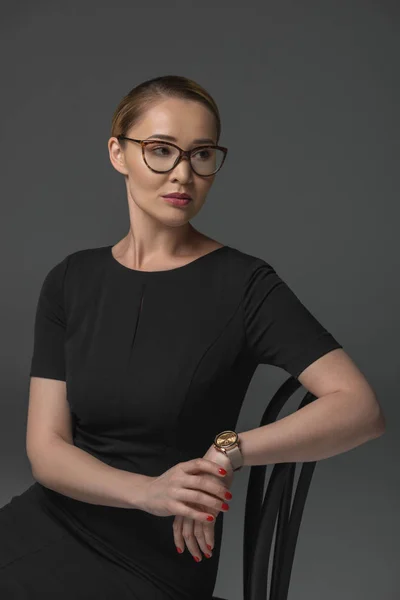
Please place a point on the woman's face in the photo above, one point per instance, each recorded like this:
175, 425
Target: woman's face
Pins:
186, 121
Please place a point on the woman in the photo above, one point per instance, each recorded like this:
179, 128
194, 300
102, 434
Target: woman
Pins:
143, 353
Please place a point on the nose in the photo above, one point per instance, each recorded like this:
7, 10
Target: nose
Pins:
184, 169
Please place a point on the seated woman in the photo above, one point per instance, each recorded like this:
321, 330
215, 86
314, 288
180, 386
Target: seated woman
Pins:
143, 354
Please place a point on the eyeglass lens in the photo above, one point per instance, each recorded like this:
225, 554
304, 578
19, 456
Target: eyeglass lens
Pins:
162, 157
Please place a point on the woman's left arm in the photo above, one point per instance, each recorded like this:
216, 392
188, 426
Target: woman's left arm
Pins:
345, 414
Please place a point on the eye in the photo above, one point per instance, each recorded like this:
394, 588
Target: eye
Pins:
205, 152
162, 149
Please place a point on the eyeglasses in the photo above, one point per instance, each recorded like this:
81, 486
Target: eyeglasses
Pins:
162, 157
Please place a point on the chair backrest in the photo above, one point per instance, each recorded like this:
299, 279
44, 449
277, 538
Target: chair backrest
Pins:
277, 507
278, 504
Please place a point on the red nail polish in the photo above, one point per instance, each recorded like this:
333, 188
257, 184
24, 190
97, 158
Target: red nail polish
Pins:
228, 495
207, 555
196, 558
179, 550
222, 471
210, 518
225, 506
209, 547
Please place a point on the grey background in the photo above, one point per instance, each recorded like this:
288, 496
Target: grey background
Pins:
309, 97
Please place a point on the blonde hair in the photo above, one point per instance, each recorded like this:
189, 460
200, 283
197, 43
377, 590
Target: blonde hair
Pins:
133, 106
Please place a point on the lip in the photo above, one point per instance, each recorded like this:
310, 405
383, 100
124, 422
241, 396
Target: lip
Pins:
176, 201
178, 195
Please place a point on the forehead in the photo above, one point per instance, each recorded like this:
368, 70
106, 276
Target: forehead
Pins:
184, 120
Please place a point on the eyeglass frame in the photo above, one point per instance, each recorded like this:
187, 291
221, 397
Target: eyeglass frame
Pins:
182, 153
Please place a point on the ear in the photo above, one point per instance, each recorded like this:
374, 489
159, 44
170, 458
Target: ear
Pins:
117, 156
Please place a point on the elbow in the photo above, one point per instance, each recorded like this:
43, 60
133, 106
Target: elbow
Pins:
378, 421
372, 419
33, 471
379, 427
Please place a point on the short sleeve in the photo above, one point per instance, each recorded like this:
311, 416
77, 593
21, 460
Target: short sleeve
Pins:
280, 330
48, 359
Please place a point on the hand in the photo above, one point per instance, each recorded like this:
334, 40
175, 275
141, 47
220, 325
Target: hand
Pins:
176, 491
199, 533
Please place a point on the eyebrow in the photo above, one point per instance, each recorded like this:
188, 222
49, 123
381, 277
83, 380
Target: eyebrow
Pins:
173, 139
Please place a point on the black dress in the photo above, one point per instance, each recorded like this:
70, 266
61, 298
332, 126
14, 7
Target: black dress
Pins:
156, 364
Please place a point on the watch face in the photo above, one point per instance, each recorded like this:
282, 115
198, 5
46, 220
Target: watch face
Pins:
226, 438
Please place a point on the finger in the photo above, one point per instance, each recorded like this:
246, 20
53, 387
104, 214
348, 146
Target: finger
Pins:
183, 509
204, 534
190, 539
208, 485
199, 533
199, 465
208, 530
177, 533
201, 500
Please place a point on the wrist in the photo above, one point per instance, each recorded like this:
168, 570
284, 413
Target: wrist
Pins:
228, 443
219, 457
138, 492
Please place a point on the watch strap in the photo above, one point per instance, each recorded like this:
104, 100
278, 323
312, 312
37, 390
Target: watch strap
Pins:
235, 456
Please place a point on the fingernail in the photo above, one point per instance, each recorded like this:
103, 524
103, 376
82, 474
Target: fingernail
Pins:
222, 471
228, 495
210, 518
209, 547
197, 559
207, 555
179, 550
225, 506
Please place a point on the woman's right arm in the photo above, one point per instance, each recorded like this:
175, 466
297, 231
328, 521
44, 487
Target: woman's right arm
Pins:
61, 466
69, 470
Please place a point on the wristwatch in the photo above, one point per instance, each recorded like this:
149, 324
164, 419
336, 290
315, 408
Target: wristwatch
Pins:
228, 442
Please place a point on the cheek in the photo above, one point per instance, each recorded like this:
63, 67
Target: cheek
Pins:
204, 187
143, 179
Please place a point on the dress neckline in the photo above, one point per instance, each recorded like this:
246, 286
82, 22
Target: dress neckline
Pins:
192, 263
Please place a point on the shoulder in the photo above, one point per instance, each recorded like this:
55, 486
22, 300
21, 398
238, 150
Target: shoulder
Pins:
85, 261
74, 267
248, 265
86, 258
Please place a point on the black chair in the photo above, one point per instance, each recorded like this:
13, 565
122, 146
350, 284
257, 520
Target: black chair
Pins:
262, 512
